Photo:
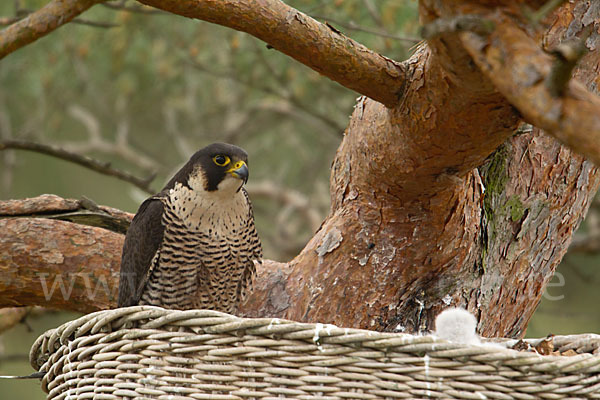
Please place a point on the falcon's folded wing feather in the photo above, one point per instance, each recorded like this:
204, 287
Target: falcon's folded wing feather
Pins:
143, 240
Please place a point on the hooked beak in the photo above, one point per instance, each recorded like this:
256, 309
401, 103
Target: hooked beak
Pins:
240, 171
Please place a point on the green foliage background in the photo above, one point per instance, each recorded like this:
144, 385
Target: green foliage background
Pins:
148, 92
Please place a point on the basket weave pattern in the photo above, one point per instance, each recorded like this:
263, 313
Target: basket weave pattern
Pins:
153, 353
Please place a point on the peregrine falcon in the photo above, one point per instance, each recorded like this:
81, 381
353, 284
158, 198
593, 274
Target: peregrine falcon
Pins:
193, 245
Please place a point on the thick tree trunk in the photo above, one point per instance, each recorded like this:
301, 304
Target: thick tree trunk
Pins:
414, 228
435, 201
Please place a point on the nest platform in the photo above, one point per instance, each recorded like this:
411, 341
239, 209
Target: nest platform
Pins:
151, 353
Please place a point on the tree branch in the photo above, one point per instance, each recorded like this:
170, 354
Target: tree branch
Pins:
96, 141
83, 212
132, 9
4, 21
519, 68
567, 55
285, 96
460, 23
95, 24
11, 316
102, 167
304, 39
547, 8
377, 32
40, 23
80, 271
288, 197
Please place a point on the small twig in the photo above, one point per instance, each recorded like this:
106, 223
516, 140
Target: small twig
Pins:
8, 160
336, 128
543, 11
524, 129
94, 24
566, 57
35, 375
356, 67
9, 20
4, 21
586, 244
289, 197
355, 27
98, 143
132, 9
373, 12
102, 167
274, 72
461, 23
11, 316
588, 241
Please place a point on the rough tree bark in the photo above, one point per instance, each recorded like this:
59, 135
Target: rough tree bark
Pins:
54, 15
435, 201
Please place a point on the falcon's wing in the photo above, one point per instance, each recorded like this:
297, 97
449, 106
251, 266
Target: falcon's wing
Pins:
253, 240
141, 244
253, 249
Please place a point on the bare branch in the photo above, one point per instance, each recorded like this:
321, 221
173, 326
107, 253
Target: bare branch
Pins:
120, 5
4, 21
97, 142
567, 54
8, 159
11, 316
573, 118
304, 39
183, 146
287, 109
544, 10
38, 270
83, 212
95, 24
102, 167
461, 23
373, 12
40, 23
288, 197
290, 99
588, 242
355, 27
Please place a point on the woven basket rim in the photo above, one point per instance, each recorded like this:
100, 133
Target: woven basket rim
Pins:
208, 321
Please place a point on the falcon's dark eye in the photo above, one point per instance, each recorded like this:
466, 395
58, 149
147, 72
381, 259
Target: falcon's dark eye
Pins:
221, 160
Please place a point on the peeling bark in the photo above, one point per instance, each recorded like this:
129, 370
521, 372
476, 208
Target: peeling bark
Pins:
419, 232
58, 264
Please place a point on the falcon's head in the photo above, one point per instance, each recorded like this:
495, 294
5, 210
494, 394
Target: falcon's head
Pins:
219, 167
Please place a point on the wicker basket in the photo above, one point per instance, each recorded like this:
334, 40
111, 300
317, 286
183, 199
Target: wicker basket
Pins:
148, 352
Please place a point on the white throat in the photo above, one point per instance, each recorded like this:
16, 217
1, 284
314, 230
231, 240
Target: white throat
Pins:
217, 211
